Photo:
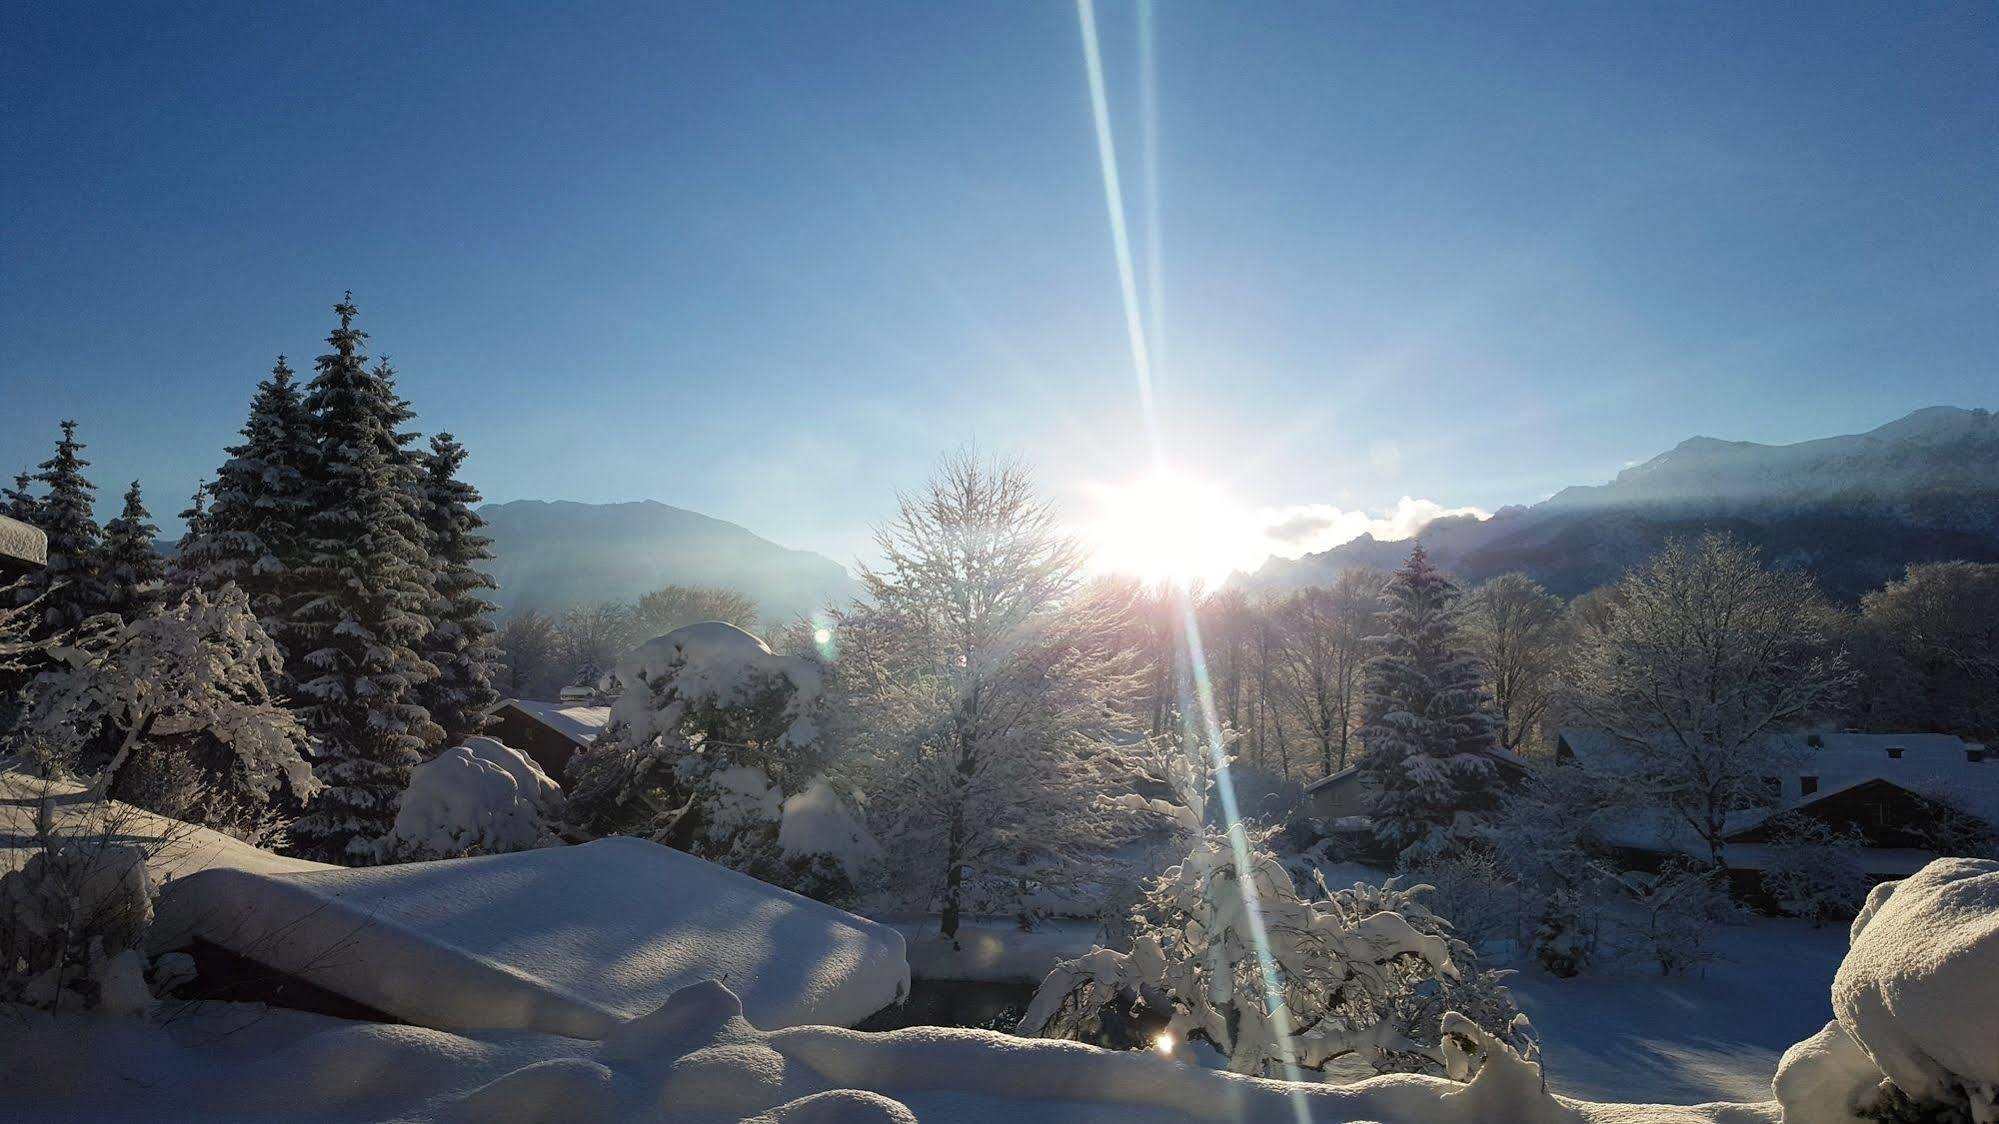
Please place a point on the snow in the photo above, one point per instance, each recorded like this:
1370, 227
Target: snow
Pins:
174, 849
567, 940
698, 1061
818, 822
1919, 989
481, 796
713, 661
995, 950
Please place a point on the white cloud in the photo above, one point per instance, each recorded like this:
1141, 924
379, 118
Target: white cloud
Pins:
1289, 532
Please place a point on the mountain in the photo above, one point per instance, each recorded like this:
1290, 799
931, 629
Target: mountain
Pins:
551, 555
1855, 510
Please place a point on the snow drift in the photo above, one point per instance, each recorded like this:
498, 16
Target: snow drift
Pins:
480, 797
568, 940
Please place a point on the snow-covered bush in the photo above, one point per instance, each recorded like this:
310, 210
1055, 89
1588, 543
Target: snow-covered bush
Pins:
1544, 839
480, 798
74, 914
192, 680
714, 743
1814, 870
1678, 911
1469, 886
1225, 951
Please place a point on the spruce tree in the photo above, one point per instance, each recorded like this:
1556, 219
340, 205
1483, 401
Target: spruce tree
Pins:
134, 576
252, 528
462, 643
183, 568
1427, 723
19, 501
361, 589
71, 584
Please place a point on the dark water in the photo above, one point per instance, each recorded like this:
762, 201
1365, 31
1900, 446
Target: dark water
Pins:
973, 1003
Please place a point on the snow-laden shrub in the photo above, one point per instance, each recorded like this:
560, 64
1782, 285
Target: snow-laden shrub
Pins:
479, 798
1678, 911
71, 917
713, 744
1814, 870
193, 681
1470, 887
1341, 972
1545, 840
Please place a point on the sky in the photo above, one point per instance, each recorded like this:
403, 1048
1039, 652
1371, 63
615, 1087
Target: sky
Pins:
769, 261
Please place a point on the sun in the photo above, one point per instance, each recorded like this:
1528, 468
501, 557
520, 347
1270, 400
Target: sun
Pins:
1165, 527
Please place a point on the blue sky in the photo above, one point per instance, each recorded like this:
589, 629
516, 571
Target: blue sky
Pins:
768, 261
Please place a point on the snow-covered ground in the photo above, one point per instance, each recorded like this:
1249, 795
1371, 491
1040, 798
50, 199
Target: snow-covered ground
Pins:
568, 940
1623, 1033
696, 1061
174, 849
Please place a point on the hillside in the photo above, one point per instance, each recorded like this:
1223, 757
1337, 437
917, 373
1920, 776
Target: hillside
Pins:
1855, 510
553, 554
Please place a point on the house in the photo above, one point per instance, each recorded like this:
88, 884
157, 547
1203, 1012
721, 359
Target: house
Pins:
22, 548
1339, 798
1894, 789
549, 732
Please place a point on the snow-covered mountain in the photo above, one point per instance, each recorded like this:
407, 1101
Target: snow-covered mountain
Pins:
550, 555
1854, 509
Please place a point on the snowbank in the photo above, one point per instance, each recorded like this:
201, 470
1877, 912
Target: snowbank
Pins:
818, 822
173, 849
479, 797
568, 940
696, 1060
1919, 989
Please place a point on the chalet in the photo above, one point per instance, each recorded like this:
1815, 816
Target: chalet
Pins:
22, 548
550, 732
1892, 788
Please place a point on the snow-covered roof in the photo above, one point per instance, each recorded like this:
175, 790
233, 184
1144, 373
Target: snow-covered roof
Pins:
22, 545
567, 940
580, 724
1331, 779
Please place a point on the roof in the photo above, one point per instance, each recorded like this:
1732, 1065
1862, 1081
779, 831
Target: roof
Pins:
1331, 779
580, 724
22, 546
566, 940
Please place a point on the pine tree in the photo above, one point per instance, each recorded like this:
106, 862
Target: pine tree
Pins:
251, 531
134, 576
182, 568
462, 642
20, 500
70, 585
1427, 724
361, 590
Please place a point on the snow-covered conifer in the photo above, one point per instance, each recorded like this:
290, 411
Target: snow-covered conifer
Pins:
19, 501
254, 523
356, 610
71, 586
133, 574
462, 642
1427, 730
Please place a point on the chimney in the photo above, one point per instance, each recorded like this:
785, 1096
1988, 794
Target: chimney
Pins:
1895, 752
1974, 752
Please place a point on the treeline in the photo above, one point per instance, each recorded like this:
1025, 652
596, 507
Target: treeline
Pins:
353, 552
1285, 671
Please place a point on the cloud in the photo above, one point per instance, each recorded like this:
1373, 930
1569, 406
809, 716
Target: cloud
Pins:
1310, 528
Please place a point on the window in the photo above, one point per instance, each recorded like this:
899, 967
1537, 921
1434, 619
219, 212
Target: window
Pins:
1807, 785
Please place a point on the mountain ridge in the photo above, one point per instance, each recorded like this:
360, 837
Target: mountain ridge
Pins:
1854, 508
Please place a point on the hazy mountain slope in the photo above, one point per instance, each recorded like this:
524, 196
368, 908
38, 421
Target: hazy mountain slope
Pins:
550, 555
1856, 510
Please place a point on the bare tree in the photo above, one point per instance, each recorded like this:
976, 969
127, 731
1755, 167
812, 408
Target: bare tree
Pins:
1706, 655
1930, 644
1323, 633
675, 606
1518, 631
594, 637
532, 647
982, 679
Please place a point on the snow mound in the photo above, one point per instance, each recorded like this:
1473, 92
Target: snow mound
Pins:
1826, 1079
715, 662
478, 797
818, 822
1919, 988
173, 849
567, 940
697, 1060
